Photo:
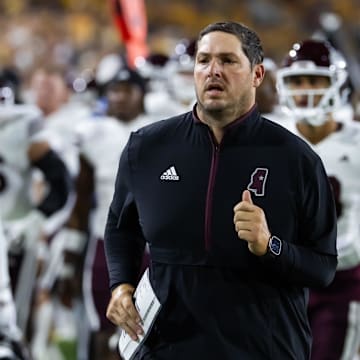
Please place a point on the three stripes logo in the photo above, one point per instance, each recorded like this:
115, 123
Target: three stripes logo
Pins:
170, 174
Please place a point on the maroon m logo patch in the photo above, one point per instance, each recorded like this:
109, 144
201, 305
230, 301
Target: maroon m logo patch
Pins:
258, 181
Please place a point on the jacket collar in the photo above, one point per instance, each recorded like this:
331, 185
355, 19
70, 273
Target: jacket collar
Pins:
241, 127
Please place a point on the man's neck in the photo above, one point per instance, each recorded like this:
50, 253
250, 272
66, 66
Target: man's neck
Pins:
315, 134
217, 121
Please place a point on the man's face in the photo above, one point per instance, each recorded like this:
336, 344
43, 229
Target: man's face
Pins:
310, 89
125, 101
224, 80
50, 91
266, 94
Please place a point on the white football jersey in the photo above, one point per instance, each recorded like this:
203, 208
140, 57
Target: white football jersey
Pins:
340, 153
18, 127
161, 105
60, 132
101, 142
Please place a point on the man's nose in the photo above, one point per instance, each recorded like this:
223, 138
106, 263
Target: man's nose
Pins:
214, 68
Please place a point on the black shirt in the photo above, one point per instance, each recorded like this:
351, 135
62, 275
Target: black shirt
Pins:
176, 190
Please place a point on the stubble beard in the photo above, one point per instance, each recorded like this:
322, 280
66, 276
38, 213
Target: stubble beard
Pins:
213, 111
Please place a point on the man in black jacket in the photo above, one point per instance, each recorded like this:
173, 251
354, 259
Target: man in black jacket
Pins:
238, 215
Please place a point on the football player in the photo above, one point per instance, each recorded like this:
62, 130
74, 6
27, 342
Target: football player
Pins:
29, 215
266, 95
171, 89
58, 293
100, 144
312, 88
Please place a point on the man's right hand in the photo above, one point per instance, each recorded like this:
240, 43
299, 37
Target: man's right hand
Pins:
121, 311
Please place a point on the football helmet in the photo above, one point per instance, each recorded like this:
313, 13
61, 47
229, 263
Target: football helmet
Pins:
312, 58
182, 63
6, 96
155, 69
153, 65
9, 86
107, 68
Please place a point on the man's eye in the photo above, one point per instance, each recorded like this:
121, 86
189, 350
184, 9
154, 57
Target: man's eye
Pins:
292, 81
316, 81
228, 61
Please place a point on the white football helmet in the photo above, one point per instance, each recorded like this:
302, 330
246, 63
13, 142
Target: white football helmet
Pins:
181, 81
9, 86
313, 58
155, 69
6, 96
107, 67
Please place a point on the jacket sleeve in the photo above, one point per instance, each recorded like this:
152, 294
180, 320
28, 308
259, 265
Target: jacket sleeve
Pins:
124, 241
312, 260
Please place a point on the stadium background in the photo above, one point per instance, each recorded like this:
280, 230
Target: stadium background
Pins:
77, 34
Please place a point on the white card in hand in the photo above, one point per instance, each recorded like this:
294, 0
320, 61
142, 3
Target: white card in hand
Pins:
148, 306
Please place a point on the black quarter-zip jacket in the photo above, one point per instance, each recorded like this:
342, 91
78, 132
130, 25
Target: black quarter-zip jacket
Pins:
176, 190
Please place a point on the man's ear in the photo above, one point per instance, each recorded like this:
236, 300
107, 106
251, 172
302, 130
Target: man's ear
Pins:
259, 73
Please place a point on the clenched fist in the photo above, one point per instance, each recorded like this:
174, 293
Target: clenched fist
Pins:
251, 225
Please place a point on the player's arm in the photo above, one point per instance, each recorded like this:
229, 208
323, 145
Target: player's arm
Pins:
57, 176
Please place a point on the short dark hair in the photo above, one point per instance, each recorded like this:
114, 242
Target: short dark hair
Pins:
250, 41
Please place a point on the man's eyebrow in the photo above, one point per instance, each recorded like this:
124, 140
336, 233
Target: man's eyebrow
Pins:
221, 54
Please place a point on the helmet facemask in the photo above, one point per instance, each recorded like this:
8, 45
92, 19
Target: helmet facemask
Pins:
320, 102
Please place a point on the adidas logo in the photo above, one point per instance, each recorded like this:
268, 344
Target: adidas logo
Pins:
170, 174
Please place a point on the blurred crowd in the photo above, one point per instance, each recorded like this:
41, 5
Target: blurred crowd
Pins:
69, 101
77, 34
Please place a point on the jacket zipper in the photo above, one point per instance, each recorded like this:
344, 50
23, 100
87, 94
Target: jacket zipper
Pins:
210, 191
